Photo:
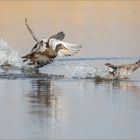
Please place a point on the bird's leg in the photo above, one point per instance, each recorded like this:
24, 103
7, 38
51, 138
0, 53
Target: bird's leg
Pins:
40, 64
25, 60
31, 63
36, 70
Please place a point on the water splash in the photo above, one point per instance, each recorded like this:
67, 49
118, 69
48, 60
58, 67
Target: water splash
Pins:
9, 55
67, 69
78, 70
81, 70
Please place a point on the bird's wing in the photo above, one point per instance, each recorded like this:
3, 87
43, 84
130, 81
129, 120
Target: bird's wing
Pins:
58, 36
68, 50
31, 31
40, 44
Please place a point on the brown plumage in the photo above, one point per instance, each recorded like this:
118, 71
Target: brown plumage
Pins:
46, 50
122, 71
130, 67
40, 58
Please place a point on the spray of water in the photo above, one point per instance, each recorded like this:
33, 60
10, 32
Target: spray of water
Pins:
9, 55
67, 69
77, 70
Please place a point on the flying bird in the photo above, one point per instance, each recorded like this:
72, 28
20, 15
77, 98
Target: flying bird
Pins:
46, 50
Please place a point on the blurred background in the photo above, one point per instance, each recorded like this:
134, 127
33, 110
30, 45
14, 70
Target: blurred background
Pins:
103, 28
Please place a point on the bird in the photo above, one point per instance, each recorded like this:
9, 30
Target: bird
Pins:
122, 71
46, 50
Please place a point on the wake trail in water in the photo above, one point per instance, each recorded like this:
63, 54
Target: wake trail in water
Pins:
67, 69
78, 70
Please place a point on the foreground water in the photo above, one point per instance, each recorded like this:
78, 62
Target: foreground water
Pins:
57, 108
64, 100
68, 106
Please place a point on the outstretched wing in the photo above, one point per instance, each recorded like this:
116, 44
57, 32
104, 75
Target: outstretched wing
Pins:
58, 36
43, 43
68, 50
31, 31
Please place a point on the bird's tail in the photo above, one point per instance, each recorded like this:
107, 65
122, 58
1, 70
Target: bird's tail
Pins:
26, 56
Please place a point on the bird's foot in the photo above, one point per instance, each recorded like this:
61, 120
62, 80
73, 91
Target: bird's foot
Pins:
36, 70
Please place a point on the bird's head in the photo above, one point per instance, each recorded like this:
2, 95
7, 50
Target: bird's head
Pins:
108, 64
59, 47
138, 62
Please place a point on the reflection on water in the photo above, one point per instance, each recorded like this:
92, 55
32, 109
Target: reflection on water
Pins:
57, 111
45, 108
41, 93
126, 85
43, 99
69, 108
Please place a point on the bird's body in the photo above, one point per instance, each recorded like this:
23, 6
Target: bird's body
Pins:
38, 58
122, 71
